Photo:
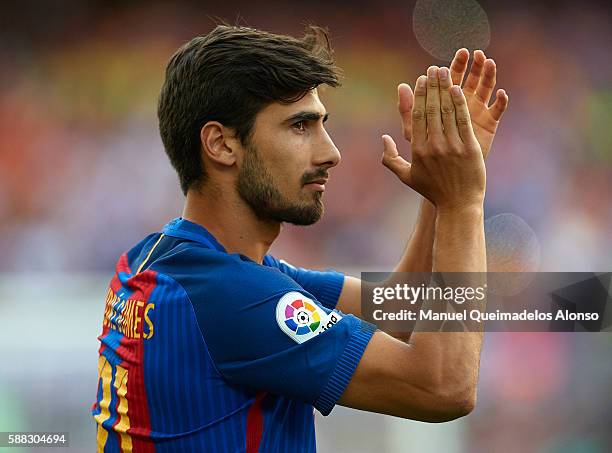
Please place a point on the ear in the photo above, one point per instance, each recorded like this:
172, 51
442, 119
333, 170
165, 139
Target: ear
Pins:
218, 143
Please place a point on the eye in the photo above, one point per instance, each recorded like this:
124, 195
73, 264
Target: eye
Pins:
300, 125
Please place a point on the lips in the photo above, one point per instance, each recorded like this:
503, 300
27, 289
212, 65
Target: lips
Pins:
316, 184
321, 181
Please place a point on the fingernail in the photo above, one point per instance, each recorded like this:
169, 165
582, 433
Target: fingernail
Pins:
455, 90
443, 73
432, 71
421, 81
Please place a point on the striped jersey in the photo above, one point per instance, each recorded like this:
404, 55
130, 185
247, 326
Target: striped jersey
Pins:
207, 351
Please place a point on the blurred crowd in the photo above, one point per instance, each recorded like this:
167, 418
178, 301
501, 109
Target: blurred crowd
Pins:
83, 174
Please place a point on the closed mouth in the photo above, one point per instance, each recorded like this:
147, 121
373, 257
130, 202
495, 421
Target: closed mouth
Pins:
317, 181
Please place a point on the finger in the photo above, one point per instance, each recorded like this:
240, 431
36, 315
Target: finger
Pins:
393, 161
432, 107
419, 122
405, 100
459, 65
500, 105
474, 76
487, 82
446, 106
462, 114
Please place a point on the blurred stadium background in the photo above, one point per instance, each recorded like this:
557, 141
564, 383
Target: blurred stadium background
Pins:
83, 176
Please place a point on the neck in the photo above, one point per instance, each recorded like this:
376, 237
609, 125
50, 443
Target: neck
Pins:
231, 221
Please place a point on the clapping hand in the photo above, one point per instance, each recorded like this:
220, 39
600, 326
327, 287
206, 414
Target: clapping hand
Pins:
478, 89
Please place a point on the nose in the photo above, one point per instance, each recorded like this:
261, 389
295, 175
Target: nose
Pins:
326, 153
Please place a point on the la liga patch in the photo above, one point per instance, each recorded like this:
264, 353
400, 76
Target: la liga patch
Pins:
302, 319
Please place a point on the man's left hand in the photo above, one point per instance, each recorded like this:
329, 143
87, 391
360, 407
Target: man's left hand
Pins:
478, 89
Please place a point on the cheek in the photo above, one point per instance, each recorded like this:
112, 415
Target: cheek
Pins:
288, 162
287, 176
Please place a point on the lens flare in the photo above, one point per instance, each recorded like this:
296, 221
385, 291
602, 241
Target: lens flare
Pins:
513, 254
443, 26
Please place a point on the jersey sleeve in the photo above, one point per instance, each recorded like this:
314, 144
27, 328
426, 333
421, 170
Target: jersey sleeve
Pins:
265, 332
326, 285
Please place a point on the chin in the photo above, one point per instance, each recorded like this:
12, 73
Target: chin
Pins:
305, 215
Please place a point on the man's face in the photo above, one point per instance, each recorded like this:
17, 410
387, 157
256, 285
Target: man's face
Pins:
285, 164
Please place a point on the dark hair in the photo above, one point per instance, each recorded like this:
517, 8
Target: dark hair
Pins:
230, 75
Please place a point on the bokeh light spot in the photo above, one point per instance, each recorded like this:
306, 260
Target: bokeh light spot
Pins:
513, 254
443, 26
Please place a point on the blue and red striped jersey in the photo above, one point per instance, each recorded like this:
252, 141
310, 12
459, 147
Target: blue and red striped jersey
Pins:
208, 351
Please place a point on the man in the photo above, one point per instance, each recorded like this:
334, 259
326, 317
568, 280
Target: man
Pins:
211, 344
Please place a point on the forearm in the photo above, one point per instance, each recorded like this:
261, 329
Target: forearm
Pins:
418, 255
459, 246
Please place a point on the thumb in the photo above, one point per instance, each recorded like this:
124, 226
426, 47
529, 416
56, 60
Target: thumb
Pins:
394, 162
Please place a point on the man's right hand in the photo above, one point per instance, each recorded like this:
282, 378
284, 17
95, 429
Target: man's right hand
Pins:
434, 377
447, 163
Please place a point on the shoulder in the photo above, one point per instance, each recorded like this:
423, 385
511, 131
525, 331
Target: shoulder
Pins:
206, 273
141, 247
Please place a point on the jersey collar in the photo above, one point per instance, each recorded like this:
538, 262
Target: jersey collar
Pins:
184, 229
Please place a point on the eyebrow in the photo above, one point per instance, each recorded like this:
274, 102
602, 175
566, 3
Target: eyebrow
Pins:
307, 116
